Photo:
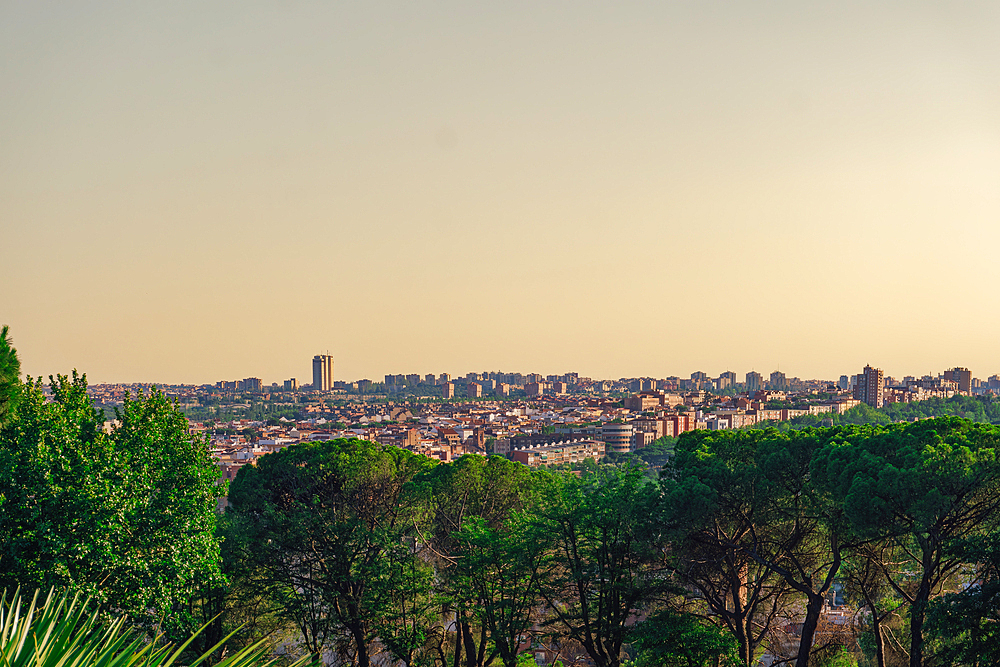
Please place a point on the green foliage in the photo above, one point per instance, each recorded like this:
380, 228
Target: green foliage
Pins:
965, 625
69, 632
488, 553
838, 656
651, 457
977, 408
918, 489
677, 639
713, 502
604, 562
128, 516
10, 374
328, 527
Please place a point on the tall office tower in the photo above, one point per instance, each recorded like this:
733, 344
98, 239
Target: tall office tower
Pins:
844, 382
754, 381
870, 386
963, 376
322, 372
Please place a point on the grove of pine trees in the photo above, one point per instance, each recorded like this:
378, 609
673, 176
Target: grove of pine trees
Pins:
351, 552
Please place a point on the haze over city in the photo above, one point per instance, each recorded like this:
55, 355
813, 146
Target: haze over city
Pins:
191, 191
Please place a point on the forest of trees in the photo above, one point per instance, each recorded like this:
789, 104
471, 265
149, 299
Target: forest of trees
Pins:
357, 553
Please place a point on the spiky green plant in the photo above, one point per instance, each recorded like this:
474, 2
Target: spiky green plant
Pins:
67, 631
10, 374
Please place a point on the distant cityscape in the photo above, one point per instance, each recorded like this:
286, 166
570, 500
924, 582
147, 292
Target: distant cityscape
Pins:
535, 419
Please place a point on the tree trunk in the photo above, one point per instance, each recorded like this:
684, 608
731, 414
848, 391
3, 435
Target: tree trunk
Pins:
917, 627
470, 645
879, 639
360, 646
813, 610
744, 641
458, 640
919, 608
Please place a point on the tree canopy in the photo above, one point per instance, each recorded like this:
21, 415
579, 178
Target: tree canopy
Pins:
126, 515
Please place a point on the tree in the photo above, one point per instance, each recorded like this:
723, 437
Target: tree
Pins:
716, 519
966, 624
329, 526
807, 535
127, 516
920, 487
675, 639
865, 575
497, 573
606, 558
10, 374
487, 561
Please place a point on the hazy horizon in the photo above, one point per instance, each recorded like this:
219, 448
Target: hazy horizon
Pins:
194, 192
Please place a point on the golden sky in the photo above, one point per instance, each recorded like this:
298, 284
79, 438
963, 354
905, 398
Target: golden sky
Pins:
197, 191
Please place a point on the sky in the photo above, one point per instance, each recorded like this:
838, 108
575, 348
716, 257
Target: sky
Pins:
199, 191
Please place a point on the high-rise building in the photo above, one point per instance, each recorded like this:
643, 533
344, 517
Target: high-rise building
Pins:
963, 376
447, 390
250, 384
754, 381
778, 381
844, 383
870, 387
291, 385
322, 372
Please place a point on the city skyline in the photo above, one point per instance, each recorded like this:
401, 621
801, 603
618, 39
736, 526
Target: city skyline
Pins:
194, 191
323, 379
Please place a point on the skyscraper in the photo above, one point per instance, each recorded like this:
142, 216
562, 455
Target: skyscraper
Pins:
322, 372
754, 381
870, 386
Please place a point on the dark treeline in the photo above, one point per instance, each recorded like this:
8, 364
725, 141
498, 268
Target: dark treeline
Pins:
366, 554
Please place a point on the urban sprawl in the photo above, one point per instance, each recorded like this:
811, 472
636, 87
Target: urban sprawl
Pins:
534, 419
